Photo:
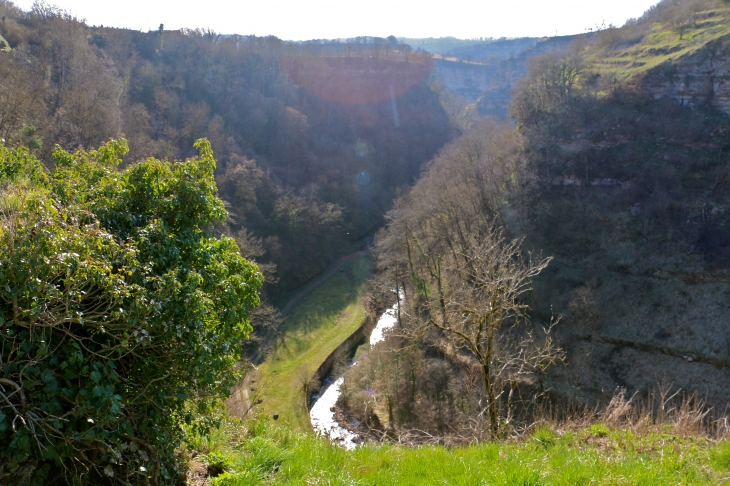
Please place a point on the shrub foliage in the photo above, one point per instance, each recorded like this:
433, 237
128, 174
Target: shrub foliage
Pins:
117, 309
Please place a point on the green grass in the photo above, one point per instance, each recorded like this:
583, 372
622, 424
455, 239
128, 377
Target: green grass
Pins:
659, 45
320, 322
275, 454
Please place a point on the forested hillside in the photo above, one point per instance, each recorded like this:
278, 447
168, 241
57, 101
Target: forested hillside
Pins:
614, 184
312, 139
632, 201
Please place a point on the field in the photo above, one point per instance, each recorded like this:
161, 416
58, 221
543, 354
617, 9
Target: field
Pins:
319, 323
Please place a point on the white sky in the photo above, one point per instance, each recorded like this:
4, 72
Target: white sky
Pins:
328, 19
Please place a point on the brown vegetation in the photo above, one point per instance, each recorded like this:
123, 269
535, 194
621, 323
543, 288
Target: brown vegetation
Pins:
465, 345
666, 410
311, 139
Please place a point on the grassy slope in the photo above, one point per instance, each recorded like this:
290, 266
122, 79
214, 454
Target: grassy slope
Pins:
660, 44
323, 319
596, 455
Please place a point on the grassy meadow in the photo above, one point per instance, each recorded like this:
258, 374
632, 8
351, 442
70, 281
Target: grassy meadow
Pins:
319, 323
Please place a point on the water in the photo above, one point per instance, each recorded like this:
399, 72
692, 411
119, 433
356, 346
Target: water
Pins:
322, 413
323, 417
386, 321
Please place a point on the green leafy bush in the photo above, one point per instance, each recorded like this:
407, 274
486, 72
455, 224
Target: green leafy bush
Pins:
218, 463
244, 478
117, 308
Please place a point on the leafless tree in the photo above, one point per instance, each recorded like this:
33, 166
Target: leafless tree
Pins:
485, 309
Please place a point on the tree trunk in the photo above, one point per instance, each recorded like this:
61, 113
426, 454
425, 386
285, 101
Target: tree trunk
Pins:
491, 401
439, 286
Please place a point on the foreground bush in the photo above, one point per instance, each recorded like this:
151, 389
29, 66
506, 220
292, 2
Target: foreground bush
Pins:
116, 309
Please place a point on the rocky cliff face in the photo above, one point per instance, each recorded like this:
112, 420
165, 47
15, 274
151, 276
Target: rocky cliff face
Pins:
634, 206
702, 77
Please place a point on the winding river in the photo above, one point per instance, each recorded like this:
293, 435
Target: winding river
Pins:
322, 412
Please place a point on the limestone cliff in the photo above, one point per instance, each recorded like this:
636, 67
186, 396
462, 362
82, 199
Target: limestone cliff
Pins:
700, 77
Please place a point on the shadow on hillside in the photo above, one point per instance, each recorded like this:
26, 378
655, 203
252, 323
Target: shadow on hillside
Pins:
324, 306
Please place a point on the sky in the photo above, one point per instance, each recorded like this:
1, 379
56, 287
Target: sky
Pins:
331, 19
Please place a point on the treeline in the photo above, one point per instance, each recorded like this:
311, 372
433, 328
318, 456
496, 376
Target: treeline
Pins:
311, 139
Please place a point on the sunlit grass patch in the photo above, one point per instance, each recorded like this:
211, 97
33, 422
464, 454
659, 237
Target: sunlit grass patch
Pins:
319, 323
597, 454
659, 45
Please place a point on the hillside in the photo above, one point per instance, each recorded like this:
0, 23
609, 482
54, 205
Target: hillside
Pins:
675, 57
548, 219
615, 188
310, 138
631, 201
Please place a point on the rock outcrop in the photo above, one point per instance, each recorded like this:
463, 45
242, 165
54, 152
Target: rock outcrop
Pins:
700, 77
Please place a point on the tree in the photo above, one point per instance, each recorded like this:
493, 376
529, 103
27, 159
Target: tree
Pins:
20, 103
307, 231
121, 315
465, 279
548, 86
484, 305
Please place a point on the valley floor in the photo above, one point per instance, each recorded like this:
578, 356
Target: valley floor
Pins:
320, 322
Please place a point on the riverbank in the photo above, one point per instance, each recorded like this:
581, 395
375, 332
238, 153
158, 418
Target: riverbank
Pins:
320, 322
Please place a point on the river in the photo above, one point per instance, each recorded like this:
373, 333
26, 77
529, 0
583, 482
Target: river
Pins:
322, 412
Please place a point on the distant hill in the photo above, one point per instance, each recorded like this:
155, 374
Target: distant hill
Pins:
482, 71
439, 45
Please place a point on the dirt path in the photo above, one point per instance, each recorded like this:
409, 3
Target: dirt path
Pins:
239, 403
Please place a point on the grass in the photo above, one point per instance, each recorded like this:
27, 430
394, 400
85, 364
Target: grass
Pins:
320, 322
659, 45
596, 455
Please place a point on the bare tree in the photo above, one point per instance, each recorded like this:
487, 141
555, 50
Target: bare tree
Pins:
485, 309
